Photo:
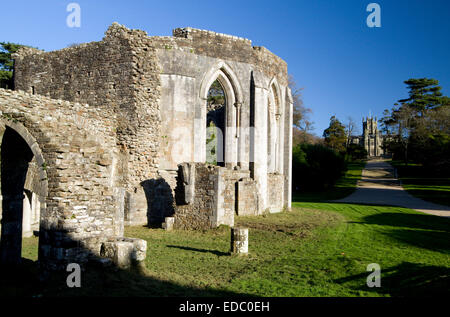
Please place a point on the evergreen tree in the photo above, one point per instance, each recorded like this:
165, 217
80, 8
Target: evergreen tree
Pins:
424, 94
7, 63
419, 127
335, 135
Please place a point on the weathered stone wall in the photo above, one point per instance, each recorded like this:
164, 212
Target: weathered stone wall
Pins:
118, 75
186, 60
198, 213
155, 88
134, 109
247, 198
229, 182
226, 47
217, 193
275, 192
74, 149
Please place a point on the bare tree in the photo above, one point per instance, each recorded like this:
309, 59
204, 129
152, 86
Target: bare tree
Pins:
404, 117
302, 125
351, 129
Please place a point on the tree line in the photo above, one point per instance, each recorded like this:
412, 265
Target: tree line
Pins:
317, 163
416, 130
418, 127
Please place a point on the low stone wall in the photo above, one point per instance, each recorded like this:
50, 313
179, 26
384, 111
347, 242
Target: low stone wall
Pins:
228, 197
196, 213
208, 196
275, 192
247, 198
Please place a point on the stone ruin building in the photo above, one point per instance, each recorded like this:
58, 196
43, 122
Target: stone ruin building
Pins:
371, 139
128, 131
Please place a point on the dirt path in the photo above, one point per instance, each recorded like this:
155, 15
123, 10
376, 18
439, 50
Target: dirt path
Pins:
379, 186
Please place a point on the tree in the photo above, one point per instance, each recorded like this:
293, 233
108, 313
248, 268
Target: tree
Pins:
404, 118
7, 63
300, 112
315, 167
350, 130
302, 137
419, 128
216, 94
387, 122
300, 117
356, 152
335, 136
424, 94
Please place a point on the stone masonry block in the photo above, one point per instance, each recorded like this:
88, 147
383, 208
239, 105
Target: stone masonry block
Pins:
239, 241
168, 223
124, 251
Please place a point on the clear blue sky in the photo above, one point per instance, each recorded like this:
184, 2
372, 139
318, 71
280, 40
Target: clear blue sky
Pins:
345, 67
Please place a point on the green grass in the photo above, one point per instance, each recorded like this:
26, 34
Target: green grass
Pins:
317, 249
30, 248
424, 184
343, 187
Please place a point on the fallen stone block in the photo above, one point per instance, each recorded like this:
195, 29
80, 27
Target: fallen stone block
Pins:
124, 252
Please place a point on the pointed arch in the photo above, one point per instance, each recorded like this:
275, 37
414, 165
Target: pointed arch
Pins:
274, 126
227, 78
234, 98
18, 149
274, 89
20, 129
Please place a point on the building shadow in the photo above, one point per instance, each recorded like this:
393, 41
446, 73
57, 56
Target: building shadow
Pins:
215, 252
405, 280
419, 230
160, 201
395, 197
98, 279
409, 220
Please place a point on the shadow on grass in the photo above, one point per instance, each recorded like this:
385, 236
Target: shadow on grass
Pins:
406, 279
425, 183
96, 281
424, 231
389, 196
437, 195
409, 220
218, 253
323, 196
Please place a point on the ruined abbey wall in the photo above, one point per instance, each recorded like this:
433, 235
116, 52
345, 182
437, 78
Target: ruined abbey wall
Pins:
153, 91
189, 60
73, 146
117, 75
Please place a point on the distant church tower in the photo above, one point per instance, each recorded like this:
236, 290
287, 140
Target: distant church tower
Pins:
373, 142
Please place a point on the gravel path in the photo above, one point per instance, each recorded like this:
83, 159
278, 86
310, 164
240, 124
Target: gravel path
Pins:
379, 186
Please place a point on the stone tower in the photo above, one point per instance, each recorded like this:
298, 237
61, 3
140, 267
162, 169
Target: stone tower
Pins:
372, 137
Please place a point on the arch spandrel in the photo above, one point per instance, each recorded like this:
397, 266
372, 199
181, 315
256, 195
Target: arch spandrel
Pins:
227, 78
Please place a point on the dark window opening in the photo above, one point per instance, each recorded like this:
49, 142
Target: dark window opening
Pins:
215, 125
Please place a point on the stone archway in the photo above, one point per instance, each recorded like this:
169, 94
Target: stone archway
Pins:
229, 82
216, 124
18, 149
72, 148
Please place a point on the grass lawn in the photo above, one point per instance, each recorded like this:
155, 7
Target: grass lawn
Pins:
317, 249
424, 184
